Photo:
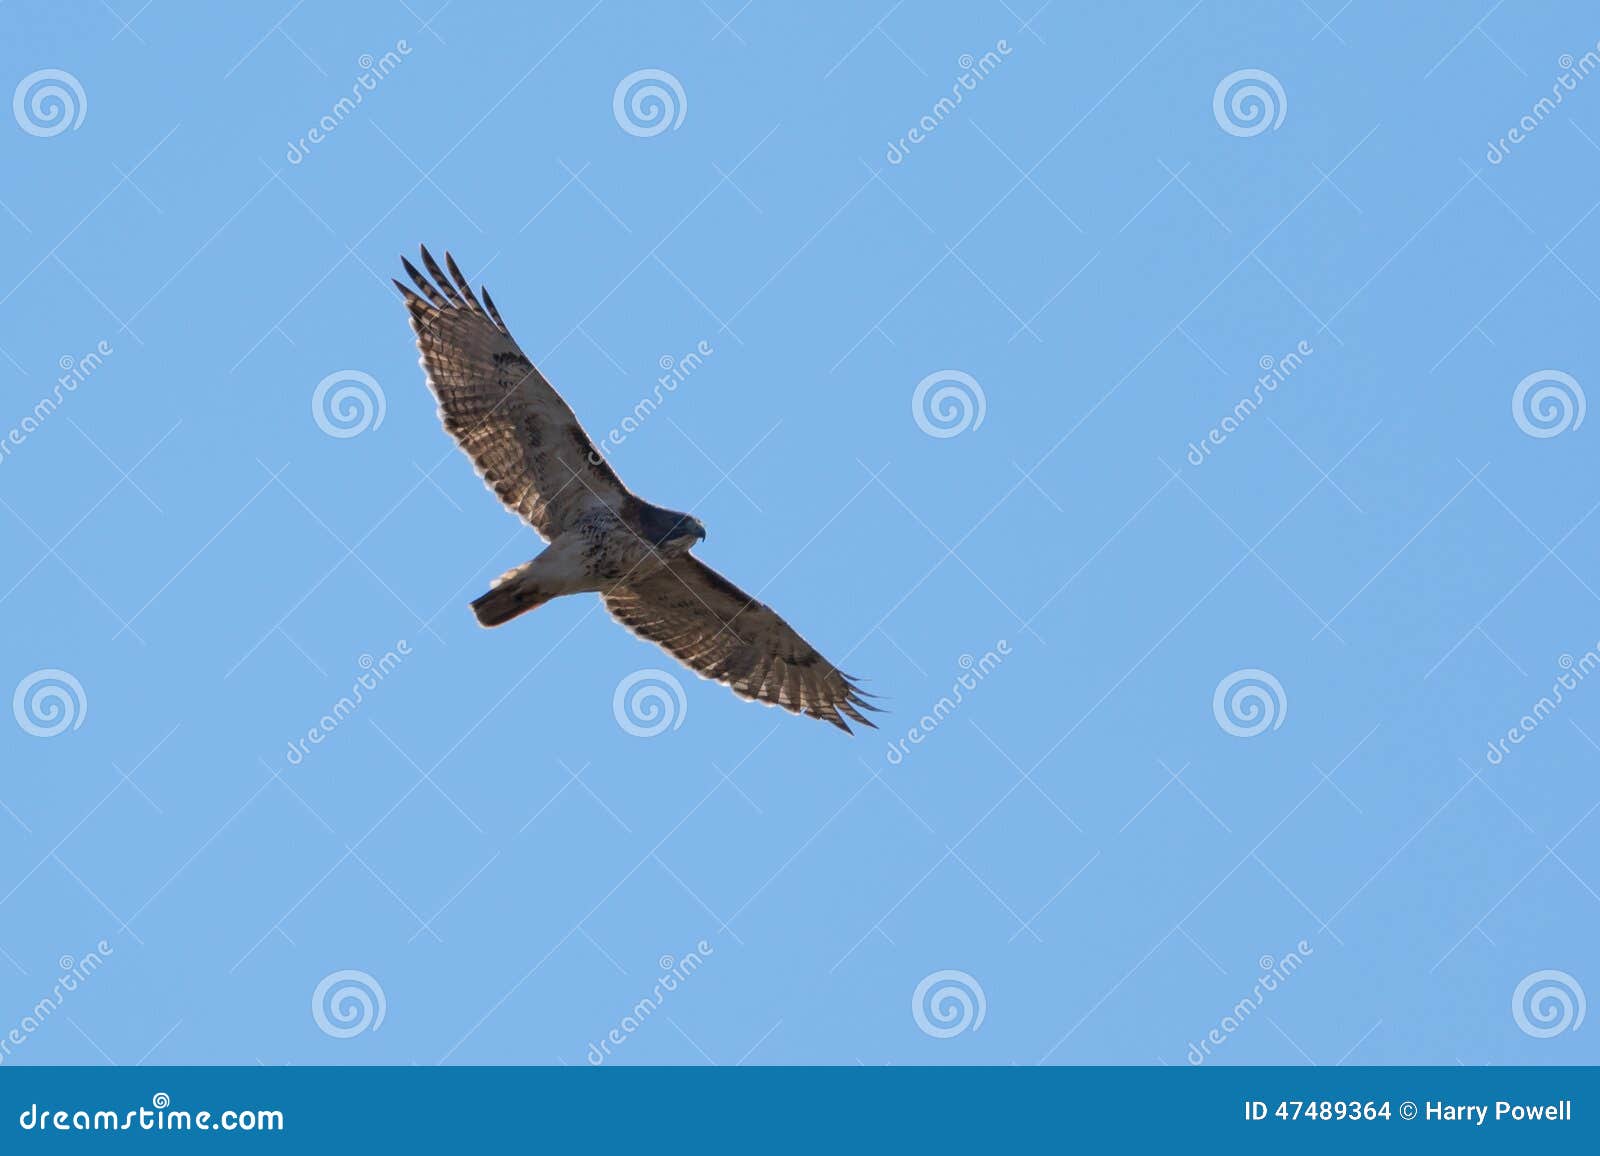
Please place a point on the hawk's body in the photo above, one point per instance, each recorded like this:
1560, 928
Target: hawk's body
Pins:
530, 450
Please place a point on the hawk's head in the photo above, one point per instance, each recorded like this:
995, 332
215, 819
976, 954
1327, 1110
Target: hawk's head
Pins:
670, 531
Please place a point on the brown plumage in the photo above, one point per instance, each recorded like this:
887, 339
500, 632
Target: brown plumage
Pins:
530, 449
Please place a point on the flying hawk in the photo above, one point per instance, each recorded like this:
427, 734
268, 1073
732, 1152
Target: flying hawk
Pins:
529, 449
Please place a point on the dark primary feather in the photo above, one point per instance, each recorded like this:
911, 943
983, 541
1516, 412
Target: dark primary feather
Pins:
523, 438
721, 633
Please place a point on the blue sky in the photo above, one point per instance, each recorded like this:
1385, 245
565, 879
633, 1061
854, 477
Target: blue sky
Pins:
1225, 458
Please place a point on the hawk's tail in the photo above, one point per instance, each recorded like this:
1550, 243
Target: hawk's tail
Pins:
513, 593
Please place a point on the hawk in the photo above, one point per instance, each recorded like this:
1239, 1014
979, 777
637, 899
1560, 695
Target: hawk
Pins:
529, 449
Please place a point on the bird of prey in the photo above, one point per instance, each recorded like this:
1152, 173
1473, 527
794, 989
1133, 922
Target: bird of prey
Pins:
529, 449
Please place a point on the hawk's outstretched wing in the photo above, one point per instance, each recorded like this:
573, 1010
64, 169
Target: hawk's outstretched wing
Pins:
721, 633
524, 440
